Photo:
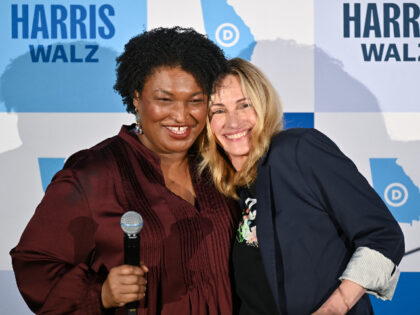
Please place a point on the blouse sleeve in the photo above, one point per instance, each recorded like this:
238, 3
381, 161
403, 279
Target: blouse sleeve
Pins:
357, 210
51, 261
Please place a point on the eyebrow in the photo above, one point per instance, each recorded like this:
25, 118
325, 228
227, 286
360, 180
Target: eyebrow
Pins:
242, 99
237, 101
171, 94
217, 104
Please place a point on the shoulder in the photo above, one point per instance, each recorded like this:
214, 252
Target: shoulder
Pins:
302, 137
288, 136
296, 135
93, 156
287, 142
90, 164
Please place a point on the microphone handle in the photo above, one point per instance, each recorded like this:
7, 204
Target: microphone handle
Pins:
132, 257
132, 249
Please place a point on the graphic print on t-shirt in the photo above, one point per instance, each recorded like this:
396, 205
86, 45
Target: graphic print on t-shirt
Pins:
247, 230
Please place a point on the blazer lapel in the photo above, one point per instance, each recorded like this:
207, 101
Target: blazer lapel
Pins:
265, 228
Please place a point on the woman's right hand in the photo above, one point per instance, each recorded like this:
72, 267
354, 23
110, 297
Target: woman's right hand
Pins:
124, 284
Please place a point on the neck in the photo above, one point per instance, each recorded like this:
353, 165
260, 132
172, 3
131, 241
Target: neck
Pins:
176, 173
238, 162
173, 161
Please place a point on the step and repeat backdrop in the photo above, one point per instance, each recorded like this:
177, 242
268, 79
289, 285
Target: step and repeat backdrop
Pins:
349, 68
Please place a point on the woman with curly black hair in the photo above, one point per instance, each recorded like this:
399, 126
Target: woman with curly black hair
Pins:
70, 258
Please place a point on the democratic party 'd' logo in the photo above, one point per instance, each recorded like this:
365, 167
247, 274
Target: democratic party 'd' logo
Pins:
396, 194
396, 188
227, 35
226, 28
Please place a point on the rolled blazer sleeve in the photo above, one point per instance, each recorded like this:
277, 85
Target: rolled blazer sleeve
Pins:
373, 271
357, 210
51, 261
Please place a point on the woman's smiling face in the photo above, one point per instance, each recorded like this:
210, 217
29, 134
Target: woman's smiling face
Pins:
172, 109
232, 118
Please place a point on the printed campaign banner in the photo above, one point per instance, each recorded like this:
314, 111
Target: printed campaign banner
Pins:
348, 68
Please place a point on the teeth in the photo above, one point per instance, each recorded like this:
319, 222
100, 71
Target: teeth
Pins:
178, 130
237, 135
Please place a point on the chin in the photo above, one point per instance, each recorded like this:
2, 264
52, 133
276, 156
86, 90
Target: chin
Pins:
238, 154
183, 148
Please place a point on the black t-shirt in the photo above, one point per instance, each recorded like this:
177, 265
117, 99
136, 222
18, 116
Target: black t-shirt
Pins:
249, 274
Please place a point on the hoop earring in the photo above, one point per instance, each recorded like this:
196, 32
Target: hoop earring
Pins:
138, 129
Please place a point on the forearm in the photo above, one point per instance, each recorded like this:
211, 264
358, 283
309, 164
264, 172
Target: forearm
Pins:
342, 299
48, 285
368, 271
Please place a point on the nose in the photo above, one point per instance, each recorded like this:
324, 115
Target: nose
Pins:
180, 112
232, 120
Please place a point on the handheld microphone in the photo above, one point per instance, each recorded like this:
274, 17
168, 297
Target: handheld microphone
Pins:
131, 224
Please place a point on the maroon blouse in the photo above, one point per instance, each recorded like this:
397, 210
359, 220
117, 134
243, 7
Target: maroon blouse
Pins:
74, 237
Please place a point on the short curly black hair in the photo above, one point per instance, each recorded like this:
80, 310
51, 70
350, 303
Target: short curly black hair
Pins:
172, 47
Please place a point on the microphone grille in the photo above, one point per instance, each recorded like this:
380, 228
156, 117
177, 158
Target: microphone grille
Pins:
131, 222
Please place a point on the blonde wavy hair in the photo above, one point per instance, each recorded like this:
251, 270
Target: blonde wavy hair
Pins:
264, 99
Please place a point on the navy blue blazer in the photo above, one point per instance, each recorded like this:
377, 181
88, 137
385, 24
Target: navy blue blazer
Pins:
314, 210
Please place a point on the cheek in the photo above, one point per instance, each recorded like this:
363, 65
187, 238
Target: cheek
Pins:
200, 116
152, 112
199, 113
216, 126
252, 117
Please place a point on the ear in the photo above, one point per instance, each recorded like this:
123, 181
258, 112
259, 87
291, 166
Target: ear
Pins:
136, 99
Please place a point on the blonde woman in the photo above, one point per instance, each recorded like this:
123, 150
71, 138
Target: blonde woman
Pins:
314, 236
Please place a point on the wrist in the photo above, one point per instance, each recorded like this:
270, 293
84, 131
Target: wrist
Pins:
335, 305
345, 302
104, 299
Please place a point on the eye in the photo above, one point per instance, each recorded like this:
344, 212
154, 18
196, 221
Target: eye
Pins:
245, 105
163, 99
217, 111
197, 101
